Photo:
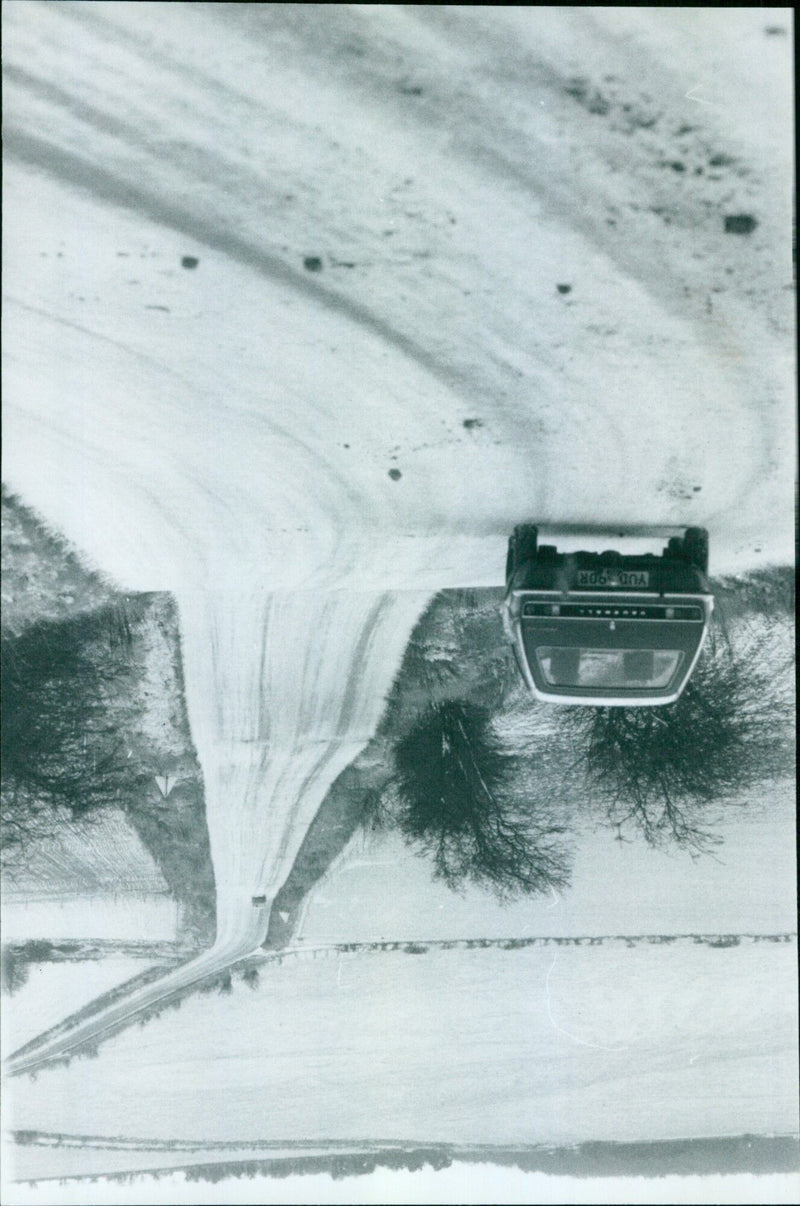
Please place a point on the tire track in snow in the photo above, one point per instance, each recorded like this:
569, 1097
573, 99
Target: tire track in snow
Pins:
275, 779
79, 173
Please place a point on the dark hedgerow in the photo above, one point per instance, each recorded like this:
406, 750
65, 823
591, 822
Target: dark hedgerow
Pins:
454, 799
659, 768
61, 745
79, 735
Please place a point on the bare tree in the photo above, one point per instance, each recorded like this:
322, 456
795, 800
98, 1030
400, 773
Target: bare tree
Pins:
659, 769
14, 970
452, 798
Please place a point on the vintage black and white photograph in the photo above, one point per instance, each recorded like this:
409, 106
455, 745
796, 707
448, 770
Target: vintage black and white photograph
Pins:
398, 548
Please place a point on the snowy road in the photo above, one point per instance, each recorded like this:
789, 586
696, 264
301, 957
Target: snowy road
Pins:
306, 308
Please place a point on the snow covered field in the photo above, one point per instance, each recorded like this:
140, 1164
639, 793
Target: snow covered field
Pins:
53, 988
304, 309
128, 916
544, 1045
379, 890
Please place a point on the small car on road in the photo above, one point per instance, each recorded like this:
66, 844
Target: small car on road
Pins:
607, 629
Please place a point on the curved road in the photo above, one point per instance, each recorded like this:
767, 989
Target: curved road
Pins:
307, 307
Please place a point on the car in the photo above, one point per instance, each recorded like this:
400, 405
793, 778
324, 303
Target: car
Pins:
605, 629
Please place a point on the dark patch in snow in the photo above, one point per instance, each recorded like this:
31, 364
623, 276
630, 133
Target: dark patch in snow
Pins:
590, 98
312, 263
471, 423
165, 309
775, 31
410, 89
564, 288
395, 475
740, 224
189, 261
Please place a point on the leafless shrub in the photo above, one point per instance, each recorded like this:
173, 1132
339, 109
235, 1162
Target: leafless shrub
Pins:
659, 769
452, 798
251, 977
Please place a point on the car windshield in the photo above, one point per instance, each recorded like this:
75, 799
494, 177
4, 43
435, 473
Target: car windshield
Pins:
625, 669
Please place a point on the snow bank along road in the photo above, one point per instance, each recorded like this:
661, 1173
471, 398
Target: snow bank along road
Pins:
305, 308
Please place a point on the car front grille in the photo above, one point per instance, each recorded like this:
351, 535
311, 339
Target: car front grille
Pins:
613, 611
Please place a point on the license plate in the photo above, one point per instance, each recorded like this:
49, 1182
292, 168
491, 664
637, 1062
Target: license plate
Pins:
613, 577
